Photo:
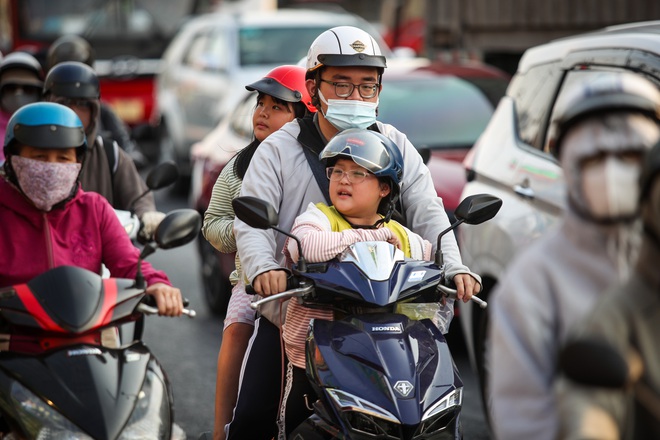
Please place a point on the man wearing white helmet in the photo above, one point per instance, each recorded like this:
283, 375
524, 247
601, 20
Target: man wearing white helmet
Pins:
602, 130
344, 69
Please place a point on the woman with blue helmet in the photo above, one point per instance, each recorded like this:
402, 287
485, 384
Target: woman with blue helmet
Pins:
365, 170
48, 220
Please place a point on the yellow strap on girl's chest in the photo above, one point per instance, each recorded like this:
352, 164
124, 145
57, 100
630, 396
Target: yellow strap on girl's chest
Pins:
338, 223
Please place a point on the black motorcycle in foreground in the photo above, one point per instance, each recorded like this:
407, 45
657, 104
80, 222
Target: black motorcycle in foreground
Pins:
378, 374
72, 363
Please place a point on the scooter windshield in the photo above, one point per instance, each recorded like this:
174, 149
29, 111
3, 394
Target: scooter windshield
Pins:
375, 258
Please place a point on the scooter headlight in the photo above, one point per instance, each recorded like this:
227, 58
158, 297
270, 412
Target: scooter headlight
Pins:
441, 417
151, 416
39, 420
455, 398
364, 417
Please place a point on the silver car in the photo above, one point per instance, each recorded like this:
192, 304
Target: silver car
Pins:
511, 159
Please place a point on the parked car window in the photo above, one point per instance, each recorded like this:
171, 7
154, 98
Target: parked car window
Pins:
533, 93
272, 46
195, 54
492, 88
435, 112
216, 54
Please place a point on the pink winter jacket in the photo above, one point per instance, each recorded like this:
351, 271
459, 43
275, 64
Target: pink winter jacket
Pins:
84, 233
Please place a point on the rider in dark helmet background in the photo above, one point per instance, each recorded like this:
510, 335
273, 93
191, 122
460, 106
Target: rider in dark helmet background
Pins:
75, 48
107, 169
21, 80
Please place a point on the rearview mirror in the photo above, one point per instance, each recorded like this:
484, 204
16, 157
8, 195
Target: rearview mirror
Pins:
594, 362
255, 212
260, 214
163, 175
179, 227
477, 209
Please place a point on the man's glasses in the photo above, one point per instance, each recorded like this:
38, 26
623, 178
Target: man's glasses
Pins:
354, 176
345, 89
75, 102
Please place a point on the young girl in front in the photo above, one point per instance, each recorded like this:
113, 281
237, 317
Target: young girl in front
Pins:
281, 98
364, 169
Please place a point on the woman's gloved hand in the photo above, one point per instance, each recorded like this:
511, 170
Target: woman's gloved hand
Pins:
150, 221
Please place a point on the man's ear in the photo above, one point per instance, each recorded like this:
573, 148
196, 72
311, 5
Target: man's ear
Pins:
310, 84
312, 87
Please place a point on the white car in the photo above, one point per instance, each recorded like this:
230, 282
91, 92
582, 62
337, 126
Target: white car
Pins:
512, 161
213, 57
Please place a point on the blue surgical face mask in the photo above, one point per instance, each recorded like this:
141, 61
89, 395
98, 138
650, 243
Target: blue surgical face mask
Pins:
347, 113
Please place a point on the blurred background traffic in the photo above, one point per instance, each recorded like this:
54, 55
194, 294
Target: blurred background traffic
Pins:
175, 71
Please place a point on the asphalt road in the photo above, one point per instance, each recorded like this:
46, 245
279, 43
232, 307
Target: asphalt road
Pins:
188, 348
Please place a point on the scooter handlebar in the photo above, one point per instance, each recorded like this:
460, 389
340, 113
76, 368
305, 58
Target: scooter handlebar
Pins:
292, 293
150, 310
452, 293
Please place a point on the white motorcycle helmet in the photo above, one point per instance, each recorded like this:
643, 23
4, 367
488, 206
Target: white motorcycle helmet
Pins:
613, 116
344, 46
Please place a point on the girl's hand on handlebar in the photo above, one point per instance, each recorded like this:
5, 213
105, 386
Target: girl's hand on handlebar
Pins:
466, 286
270, 283
168, 299
395, 241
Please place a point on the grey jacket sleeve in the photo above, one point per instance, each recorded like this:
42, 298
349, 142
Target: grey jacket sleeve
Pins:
258, 247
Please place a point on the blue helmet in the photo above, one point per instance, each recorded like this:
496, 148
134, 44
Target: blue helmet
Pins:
45, 125
369, 149
376, 153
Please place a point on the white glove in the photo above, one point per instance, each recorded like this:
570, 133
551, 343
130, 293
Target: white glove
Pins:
150, 221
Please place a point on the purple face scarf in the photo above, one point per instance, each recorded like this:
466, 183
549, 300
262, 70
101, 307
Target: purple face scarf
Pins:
45, 183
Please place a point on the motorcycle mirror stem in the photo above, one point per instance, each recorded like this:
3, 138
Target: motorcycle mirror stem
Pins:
140, 282
473, 210
439, 260
161, 176
134, 202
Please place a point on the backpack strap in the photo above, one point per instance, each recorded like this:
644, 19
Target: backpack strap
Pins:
312, 145
110, 147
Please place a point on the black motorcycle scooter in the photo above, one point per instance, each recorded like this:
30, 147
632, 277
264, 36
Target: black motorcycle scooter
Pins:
69, 369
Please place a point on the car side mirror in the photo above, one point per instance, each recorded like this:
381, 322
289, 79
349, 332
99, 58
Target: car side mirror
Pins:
255, 212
